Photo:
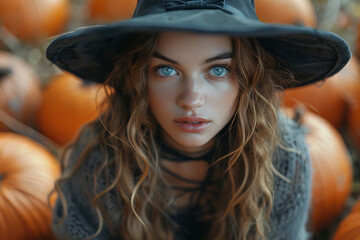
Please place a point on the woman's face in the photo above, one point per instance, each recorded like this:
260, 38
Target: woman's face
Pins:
192, 94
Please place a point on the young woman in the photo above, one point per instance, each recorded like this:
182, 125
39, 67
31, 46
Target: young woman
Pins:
192, 144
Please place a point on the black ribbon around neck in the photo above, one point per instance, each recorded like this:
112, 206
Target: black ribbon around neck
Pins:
176, 156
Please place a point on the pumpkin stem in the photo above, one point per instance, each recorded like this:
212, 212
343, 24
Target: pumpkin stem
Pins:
2, 176
356, 187
4, 72
299, 112
21, 128
87, 83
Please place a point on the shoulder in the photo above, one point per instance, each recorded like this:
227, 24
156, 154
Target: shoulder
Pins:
86, 146
81, 161
290, 132
292, 154
292, 182
77, 188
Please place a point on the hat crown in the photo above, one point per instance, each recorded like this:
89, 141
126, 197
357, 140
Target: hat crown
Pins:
239, 7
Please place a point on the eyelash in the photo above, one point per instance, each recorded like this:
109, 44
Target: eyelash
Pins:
227, 67
161, 66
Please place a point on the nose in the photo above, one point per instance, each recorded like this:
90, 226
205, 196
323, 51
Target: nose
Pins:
191, 96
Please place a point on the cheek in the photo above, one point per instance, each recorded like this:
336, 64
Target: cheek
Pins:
159, 101
232, 100
226, 100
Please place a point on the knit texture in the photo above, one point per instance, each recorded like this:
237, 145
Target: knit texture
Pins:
291, 199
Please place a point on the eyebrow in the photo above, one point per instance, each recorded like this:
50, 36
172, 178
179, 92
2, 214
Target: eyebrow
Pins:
221, 56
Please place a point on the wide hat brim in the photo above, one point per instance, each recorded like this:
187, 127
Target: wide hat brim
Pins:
312, 54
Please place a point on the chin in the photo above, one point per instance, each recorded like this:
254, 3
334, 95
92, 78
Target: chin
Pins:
192, 141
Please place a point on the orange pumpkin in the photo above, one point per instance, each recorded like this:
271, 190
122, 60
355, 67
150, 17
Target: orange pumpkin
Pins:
27, 175
34, 19
354, 113
111, 10
354, 123
286, 12
68, 103
349, 228
332, 170
324, 99
348, 82
20, 90
356, 207
330, 99
357, 41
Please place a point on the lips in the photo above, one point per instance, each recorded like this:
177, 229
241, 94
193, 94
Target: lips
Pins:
192, 124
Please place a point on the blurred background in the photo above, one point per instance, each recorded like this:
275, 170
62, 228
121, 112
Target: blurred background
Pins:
43, 108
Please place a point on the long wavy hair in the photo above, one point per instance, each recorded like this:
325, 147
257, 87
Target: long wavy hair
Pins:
128, 139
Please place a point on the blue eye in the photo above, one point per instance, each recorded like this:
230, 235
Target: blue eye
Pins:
166, 71
219, 71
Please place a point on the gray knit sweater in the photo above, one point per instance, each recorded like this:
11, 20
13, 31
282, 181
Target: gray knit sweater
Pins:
291, 200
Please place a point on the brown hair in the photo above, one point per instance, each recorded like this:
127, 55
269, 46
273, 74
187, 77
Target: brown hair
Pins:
128, 142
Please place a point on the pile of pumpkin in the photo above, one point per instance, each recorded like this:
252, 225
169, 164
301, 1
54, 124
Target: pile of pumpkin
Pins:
333, 115
38, 119
333, 108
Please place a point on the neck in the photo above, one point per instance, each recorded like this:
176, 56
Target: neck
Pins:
191, 151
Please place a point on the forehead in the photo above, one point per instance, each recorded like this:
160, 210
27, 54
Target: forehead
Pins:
192, 43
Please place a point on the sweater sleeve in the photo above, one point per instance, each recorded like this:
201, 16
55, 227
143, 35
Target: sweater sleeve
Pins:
81, 219
290, 211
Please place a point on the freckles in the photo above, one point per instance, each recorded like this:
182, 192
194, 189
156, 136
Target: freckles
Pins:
224, 100
162, 94
226, 92
159, 98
